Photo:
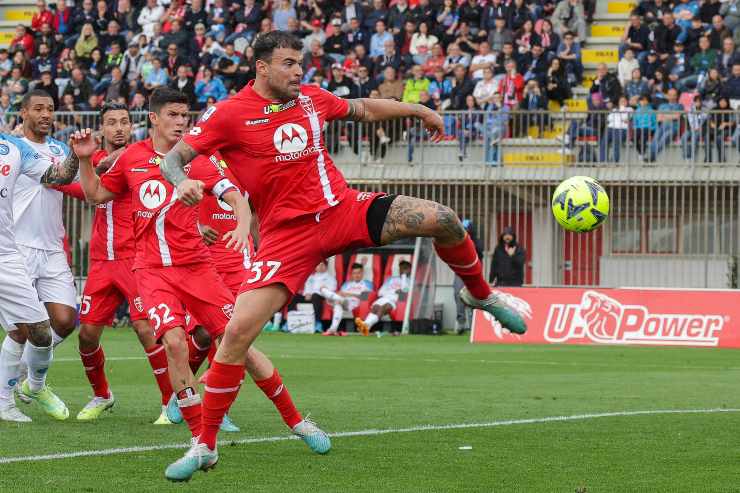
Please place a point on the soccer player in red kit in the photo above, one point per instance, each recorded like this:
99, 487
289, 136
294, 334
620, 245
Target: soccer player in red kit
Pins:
217, 218
271, 134
172, 266
111, 279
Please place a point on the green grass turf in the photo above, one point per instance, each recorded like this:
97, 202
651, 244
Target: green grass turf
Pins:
355, 383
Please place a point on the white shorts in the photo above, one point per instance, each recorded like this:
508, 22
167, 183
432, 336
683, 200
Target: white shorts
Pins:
387, 300
352, 303
19, 302
50, 275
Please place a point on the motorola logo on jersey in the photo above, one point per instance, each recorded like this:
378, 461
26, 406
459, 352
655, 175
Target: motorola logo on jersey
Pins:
290, 138
152, 194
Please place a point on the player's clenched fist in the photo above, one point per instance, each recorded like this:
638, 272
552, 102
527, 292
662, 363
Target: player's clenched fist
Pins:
83, 144
190, 192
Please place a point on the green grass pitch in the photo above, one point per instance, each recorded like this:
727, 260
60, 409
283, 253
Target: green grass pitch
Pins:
355, 384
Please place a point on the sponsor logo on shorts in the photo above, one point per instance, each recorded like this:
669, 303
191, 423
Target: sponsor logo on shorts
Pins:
209, 112
605, 320
4, 150
152, 194
258, 121
277, 108
139, 304
228, 310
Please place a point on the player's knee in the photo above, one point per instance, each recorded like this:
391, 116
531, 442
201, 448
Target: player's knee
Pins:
19, 335
447, 225
88, 339
175, 346
39, 334
64, 323
201, 337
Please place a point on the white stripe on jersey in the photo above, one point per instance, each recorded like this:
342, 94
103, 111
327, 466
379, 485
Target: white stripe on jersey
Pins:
164, 248
109, 233
313, 119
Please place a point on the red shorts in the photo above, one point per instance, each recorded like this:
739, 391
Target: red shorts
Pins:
288, 254
109, 282
168, 292
233, 279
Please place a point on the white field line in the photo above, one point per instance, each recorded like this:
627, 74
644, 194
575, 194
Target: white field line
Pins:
362, 433
440, 360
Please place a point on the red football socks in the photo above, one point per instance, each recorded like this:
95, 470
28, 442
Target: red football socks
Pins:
463, 260
222, 386
189, 402
275, 391
196, 354
94, 364
158, 361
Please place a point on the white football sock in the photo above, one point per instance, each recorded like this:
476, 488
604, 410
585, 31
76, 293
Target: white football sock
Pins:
330, 295
56, 339
38, 360
10, 362
371, 320
336, 317
277, 319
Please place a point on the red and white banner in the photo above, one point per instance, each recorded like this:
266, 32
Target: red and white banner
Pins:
658, 317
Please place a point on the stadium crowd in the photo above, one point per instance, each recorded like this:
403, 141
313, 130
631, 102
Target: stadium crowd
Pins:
497, 56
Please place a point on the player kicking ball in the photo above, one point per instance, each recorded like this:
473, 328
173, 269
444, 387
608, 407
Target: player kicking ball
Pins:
22, 314
387, 298
271, 134
111, 278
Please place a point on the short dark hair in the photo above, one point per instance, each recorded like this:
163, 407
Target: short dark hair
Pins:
34, 93
112, 106
357, 265
165, 95
404, 264
269, 42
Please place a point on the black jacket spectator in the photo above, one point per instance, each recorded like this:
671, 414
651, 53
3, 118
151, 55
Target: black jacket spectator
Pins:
344, 88
82, 17
490, 12
181, 38
336, 44
80, 91
517, 16
471, 12
192, 18
639, 35
424, 12
460, 91
46, 83
665, 38
186, 86
731, 89
609, 87
507, 267
397, 16
250, 19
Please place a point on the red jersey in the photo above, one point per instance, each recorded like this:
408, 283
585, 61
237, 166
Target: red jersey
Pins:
276, 151
166, 230
112, 236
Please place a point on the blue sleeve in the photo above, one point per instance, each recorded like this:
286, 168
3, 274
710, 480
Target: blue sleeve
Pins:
62, 145
27, 154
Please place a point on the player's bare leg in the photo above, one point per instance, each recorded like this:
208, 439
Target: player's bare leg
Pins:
376, 313
62, 318
183, 381
409, 217
37, 355
267, 378
93, 361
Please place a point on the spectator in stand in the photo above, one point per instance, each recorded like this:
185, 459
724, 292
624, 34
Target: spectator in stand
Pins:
247, 21
317, 34
209, 86
376, 14
116, 87
316, 61
651, 64
509, 258
636, 87
435, 61
497, 125
730, 11
447, 21
708, 9
569, 53
644, 123
691, 40
195, 14
87, 41
415, 85
678, 66
423, 12
534, 64
485, 88
149, 16
421, 44
549, 40
721, 126
465, 39
727, 57
62, 21
378, 40
157, 77
336, 45
356, 36
718, 33
517, 15
512, 86
353, 10
23, 40
700, 63
182, 39
454, 58
102, 16
665, 37
6, 64
96, 65
696, 131
41, 16
124, 16
570, 16
499, 65
46, 83
44, 62
391, 88
684, 11
484, 59
669, 118
499, 35
389, 59
605, 88
470, 127
440, 87
731, 89
364, 84
462, 87
397, 16
534, 103
403, 42
617, 124
492, 10
712, 89
79, 87
525, 38
363, 60
83, 16
636, 37
626, 66
132, 62
46, 36
556, 84
111, 35
282, 13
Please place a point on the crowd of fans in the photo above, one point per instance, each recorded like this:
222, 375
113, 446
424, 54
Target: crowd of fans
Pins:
456, 55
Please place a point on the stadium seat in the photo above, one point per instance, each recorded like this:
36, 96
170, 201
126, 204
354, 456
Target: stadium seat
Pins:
391, 269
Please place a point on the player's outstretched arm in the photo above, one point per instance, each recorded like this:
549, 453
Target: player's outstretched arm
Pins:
238, 238
83, 147
62, 174
377, 110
